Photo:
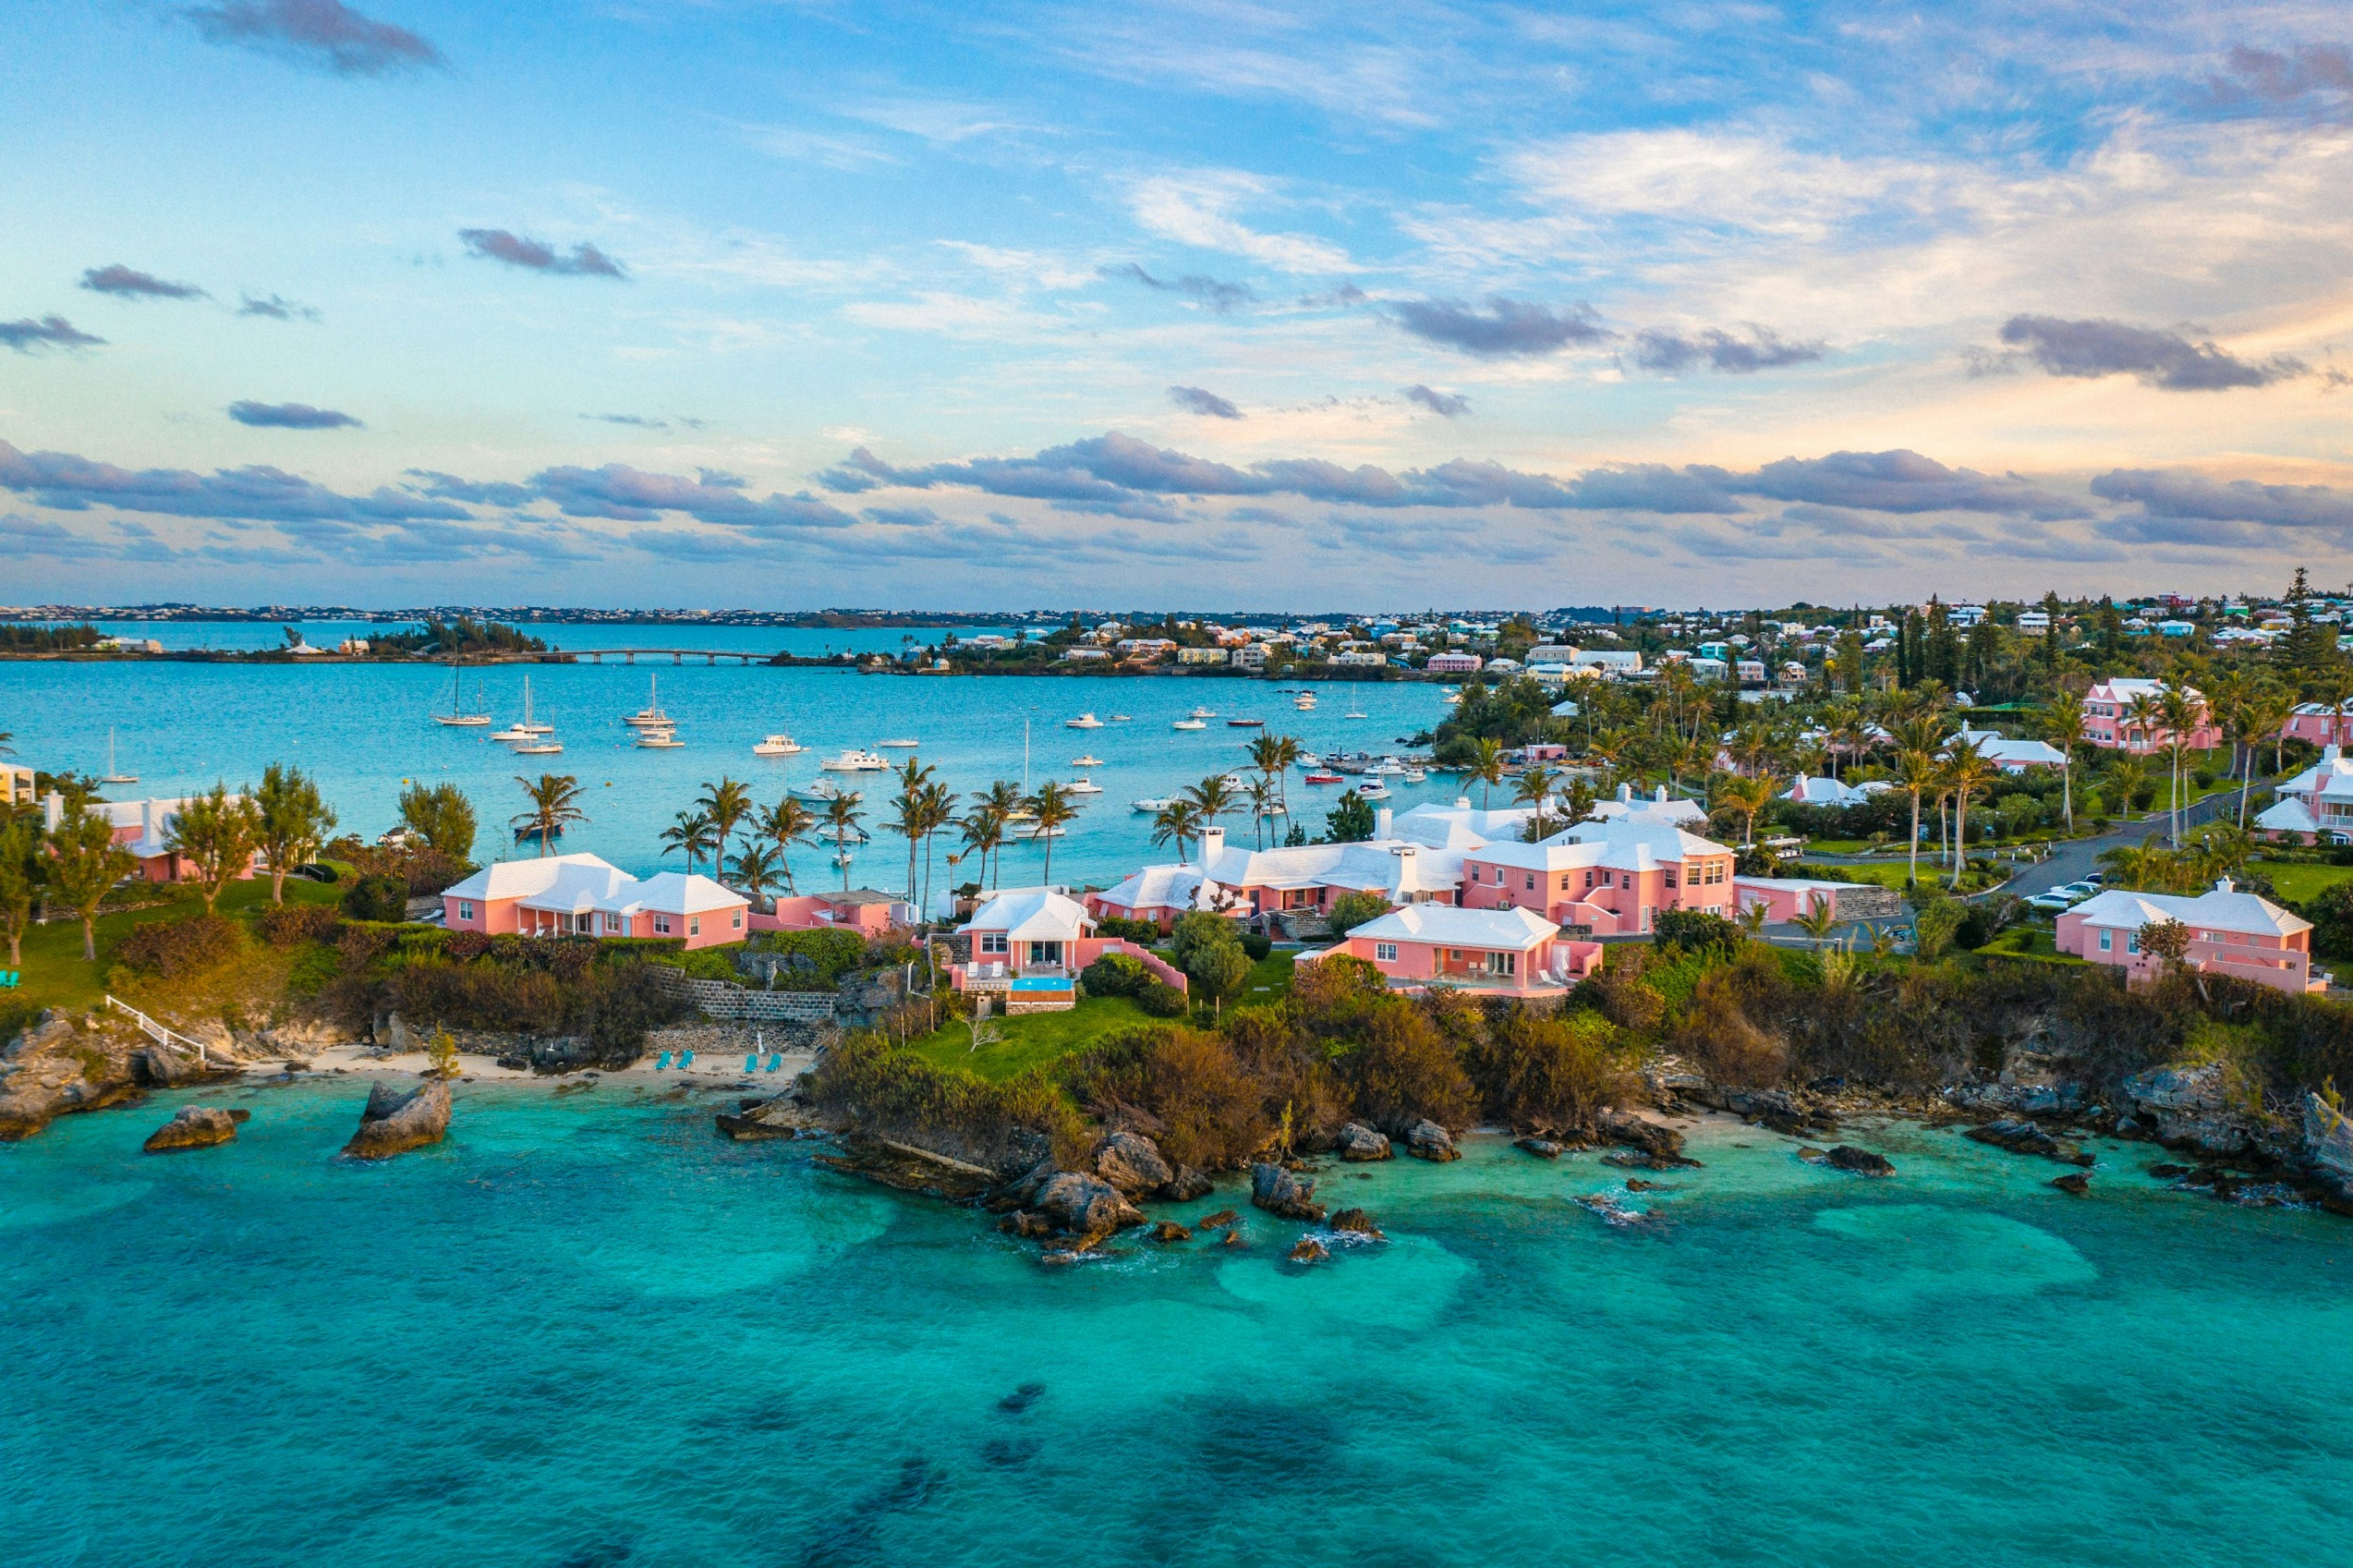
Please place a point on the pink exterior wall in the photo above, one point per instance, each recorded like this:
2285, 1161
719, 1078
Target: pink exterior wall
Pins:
1783, 901
1428, 963
2283, 963
502, 917
1606, 903
2319, 728
1165, 916
814, 911
1077, 955
2105, 725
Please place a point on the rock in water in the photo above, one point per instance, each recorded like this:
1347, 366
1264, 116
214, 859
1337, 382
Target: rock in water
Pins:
1186, 1185
2328, 1137
2073, 1182
1357, 1221
2022, 1137
196, 1127
1426, 1139
1085, 1207
1168, 1230
1132, 1162
1309, 1250
1862, 1162
1360, 1143
1542, 1148
1664, 1145
1234, 1238
1278, 1191
1636, 1185
1217, 1221
395, 1123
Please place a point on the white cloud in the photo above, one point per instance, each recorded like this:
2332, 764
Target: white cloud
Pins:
1197, 209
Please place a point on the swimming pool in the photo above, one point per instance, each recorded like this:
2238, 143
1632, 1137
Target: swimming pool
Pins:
1041, 983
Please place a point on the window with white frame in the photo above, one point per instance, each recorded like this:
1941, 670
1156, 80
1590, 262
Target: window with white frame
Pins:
992, 941
694, 925
2108, 941
738, 920
465, 910
1385, 951
661, 925
2131, 942
1532, 882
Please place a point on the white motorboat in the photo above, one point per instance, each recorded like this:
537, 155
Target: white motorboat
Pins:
1202, 713
1415, 776
1153, 803
778, 746
1188, 724
1236, 781
1310, 760
659, 740
1086, 761
1388, 767
1082, 787
1119, 718
528, 725
898, 745
1083, 722
113, 774
844, 858
1044, 833
549, 748
855, 761
458, 717
1304, 702
652, 717
1373, 789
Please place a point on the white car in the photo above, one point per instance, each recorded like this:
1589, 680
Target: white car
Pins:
2055, 901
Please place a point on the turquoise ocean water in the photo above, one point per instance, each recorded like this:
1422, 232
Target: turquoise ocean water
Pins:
363, 729
586, 1332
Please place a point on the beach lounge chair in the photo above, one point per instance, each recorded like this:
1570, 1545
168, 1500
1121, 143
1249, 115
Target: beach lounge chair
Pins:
751, 1063
7, 979
685, 1058
775, 1061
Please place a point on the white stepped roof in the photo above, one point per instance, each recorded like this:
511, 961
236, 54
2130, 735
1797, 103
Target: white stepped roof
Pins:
1444, 925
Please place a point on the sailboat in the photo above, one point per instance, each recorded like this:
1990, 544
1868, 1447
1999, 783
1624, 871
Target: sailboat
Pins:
652, 717
524, 730
113, 774
528, 727
457, 715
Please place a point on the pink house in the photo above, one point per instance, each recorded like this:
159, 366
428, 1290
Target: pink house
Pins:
862, 909
1614, 876
143, 827
1029, 938
2108, 718
1786, 898
1511, 951
2317, 722
580, 895
2230, 933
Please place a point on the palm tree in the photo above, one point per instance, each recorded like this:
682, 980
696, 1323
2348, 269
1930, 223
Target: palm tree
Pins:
1054, 808
690, 832
1212, 797
1917, 772
555, 806
726, 802
2063, 726
2126, 775
1284, 754
2142, 716
1819, 920
2264, 717
2182, 711
842, 818
1486, 765
984, 828
907, 821
756, 867
1005, 798
1966, 773
1745, 795
2333, 688
937, 803
1179, 819
786, 824
1534, 788
1262, 808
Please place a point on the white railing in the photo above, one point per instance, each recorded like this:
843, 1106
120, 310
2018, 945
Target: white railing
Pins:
157, 1032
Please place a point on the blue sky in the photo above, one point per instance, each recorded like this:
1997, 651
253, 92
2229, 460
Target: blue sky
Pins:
792, 305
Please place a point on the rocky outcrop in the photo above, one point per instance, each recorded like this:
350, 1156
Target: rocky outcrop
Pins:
1168, 1230
393, 1122
1132, 1162
1310, 1250
54, 1067
1186, 1185
2328, 1138
2073, 1182
1862, 1162
1085, 1208
1426, 1139
196, 1127
1362, 1144
1542, 1148
166, 1067
1357, 1221
1217, 1221
753, 1120
1279, 1192
1660, 1148
2022, 1137
2188, 1107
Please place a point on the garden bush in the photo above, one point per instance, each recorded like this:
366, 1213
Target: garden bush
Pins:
1161, 1000
377, 897
290, 925
168, 949
1115, 974
1258, 944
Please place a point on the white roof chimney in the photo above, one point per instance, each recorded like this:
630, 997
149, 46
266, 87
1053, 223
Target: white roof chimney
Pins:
1660, 794
2224, 885
1626, 795
1461, 803
1213, 843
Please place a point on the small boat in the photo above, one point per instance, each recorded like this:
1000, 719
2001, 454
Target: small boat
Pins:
844, 858
1355, 715
659, 740
651, 717
456, 716
854, 762
530, 831
1235, 780
1119, 718
541, 748
1415, 776
1083, 722
1086, 761
1304, 702
1321, 778
1202, 713
113, 774
1388, 767
778, 746
1373, 789
1188, 724
1082, 787
1310, 760
1245, 723
1044, 833
900, 745
1153, 803
529, 726
513, 733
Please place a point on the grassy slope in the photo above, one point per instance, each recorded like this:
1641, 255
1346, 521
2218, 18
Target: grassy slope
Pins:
2297, 883
53, 970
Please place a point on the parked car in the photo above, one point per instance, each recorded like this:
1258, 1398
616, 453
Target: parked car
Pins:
2082, 890
2057, 901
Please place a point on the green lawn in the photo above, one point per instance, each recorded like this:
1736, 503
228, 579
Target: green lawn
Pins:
1270, 980
2297, 883
1030, 1039
56, 976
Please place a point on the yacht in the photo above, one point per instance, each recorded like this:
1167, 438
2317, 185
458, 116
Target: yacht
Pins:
1188, 724
548, 748
1082, 787
1154, 803
1324, 778
651, 717
1355, 715
1044, 833
898, 745
1087, 762
1304, 702
659, 740
1236, 781
1415, 776
1202, 713
530, 726
855, 761
457, 715
1373, 789
1245, 723
1083, 722
1388, 767
778, 746
1119, 718
113, 774
514, 734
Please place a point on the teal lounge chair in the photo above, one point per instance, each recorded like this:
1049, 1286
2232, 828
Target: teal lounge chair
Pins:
751, 1063
775, 1061
686, 1059
663, 1065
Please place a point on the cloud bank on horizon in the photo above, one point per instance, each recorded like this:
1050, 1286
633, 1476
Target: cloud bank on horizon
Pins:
1265, 308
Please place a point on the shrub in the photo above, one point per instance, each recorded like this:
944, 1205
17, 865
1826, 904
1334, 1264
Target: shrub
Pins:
1534, 1072
1161, 1000
1217, 972
1206, 1109
1142, 932
168, 949
1258, 944
467, 944
290, 925
1697, 930
1115, 974
1195, 932
814, 960
889, 1092
1350, 911
1717, 1035
377, 897
1401, 1071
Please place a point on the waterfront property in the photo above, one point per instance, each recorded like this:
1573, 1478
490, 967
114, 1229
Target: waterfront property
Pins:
2230, 933
1610, 876
866, 910
1513, 951
2108, 721
1032, 944
1301, 880
580, 895
1786, 898
2316, 806
143, 829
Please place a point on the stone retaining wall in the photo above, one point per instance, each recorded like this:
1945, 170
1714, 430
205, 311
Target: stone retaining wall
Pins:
718, 999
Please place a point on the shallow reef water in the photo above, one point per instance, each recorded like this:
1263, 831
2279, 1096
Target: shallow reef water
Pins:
585, 1332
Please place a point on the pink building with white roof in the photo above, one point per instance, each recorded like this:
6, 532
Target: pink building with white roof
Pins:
2107, 721
144, 828
580, 895
2319, 724
2316, 806
1509, 952
2230, 933
1614, 876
